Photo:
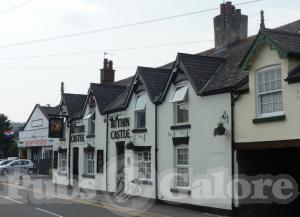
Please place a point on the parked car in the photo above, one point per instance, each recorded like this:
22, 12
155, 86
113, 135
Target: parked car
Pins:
12, 158
4, 162
10, 166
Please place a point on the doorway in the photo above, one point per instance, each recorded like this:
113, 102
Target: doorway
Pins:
75, 163
120, 167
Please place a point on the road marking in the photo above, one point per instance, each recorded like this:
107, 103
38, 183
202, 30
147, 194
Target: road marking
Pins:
7, 198
111, 207
51, 213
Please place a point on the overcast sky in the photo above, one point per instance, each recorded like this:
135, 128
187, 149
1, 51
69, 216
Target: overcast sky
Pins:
25, 82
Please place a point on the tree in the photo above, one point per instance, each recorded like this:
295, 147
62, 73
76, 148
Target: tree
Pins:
5, 143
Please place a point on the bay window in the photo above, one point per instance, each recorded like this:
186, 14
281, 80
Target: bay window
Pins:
181, 104
140, 111
182, 178
269, 91
144, 164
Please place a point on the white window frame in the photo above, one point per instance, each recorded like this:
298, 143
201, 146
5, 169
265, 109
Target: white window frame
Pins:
142, 160
91, 121
90, 161
259, 95
63, 162
136, 111
182, 166
176, 104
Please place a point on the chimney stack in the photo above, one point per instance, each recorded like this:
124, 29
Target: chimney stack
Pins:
230, 26
107, 73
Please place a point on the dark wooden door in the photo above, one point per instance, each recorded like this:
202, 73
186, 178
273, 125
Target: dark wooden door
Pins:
120, 166
75, 163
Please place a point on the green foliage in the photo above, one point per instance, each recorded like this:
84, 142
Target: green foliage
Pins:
220, 130
12, 150
130, 145
6, 144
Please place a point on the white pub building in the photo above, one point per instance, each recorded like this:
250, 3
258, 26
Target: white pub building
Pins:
166, 128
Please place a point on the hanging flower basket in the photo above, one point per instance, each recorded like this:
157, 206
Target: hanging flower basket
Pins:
220, 130
129, 145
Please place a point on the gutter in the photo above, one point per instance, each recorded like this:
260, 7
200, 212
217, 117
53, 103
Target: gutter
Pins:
156, 151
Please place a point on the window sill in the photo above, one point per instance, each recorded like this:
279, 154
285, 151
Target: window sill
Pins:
143, 182
90, 136
140, 130
181, 127
181, 191
88, 176
269, 119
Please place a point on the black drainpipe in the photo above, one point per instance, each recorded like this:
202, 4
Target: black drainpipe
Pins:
233, 101
106, 154
69, 156
156, 152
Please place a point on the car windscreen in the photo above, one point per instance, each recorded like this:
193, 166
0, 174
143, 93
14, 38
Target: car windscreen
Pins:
5, 162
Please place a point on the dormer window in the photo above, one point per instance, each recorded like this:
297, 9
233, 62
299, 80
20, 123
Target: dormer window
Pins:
269, 91
91, 118
140, 111
181, 104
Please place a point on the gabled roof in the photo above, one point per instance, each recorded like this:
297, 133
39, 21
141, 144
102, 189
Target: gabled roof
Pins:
155, 80
285, 43
46, 110
74, 104
199, 69
230, 76
105, 94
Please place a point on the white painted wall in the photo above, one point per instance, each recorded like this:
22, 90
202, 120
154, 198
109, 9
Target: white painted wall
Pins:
207, 153
139, 139
245, 109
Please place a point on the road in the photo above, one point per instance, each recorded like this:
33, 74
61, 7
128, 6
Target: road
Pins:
36, 202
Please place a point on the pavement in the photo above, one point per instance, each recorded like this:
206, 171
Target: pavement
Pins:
39, 198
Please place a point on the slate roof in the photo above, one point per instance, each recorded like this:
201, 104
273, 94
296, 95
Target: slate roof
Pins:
105, 93
199, 69
218, 70
74, 104
231, 75
289, 42
155, 80
125, 82
293, 27
48, 110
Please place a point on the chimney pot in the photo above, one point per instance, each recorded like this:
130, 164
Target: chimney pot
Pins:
228, 7
238, 11
107, 73
110, 65
222, 9
105, 64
